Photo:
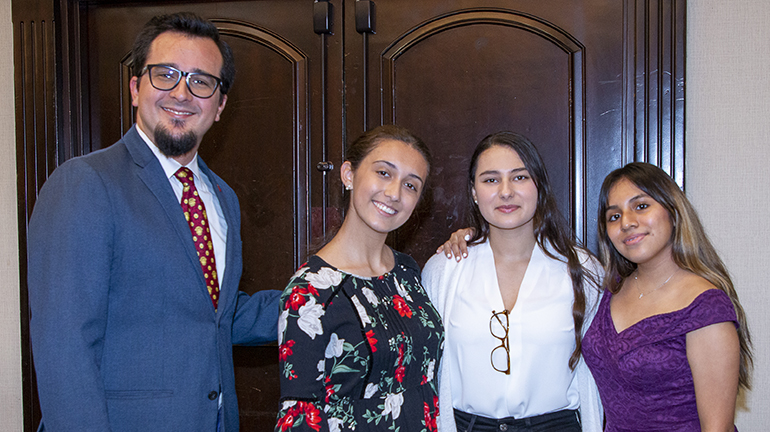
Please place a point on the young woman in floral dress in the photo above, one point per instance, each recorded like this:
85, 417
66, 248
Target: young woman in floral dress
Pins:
359, 342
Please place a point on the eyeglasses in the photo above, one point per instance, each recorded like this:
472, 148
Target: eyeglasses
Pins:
166, 78
499, 329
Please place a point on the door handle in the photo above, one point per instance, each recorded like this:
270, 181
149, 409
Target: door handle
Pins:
324, 166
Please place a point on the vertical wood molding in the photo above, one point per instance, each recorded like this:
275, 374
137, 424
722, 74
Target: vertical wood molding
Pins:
35, 101
654, 52
72, 108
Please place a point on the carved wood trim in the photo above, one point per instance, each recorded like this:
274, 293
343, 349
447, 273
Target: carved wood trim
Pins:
653, 126
36, 151
300, 144
575, 56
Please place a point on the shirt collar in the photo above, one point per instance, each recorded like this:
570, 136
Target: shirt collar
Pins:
170, 166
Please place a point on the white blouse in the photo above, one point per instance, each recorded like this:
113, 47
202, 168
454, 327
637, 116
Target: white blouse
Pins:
540, 334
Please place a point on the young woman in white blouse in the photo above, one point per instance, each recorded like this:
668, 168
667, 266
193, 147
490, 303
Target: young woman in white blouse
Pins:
516, 307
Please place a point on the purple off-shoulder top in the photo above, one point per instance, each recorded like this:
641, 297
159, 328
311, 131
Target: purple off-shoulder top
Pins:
642, 373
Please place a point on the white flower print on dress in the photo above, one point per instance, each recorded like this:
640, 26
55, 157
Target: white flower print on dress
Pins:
334, 349
334, 424
325, 278
309, 318
371, 296
357, 324
371, 389
393, 404
429, 374
300, 271
365, 320
402, 291
321, 366
282, 321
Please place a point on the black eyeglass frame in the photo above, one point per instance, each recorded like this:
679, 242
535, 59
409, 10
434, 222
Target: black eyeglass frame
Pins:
503, 341
182, 74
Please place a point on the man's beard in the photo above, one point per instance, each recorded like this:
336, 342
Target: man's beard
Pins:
171, 145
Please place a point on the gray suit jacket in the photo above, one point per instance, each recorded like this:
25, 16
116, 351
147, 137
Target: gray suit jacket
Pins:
123, 332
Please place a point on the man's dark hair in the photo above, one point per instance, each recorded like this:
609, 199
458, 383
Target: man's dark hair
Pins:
189, 24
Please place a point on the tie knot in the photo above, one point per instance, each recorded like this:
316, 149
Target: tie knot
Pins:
184, 175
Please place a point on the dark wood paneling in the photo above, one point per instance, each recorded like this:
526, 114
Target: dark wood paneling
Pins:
463, 75
550, 72
595, 83
655, 72
620, 102
36, 150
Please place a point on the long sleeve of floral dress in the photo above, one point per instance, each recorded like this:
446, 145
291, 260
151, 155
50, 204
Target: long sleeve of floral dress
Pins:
358, 353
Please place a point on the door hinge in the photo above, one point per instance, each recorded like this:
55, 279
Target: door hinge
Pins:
322, 16
365, 16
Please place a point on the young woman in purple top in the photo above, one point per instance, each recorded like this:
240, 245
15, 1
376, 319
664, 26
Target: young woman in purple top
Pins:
669, 346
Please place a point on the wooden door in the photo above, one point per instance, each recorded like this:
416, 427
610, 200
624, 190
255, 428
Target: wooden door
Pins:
569, 75
594, 83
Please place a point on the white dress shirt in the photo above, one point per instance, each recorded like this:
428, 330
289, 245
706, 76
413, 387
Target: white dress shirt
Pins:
214, 213
541, 339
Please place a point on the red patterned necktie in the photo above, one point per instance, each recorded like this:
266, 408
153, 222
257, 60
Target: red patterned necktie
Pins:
195, 213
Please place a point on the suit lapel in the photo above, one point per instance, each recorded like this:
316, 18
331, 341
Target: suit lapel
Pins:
153, 176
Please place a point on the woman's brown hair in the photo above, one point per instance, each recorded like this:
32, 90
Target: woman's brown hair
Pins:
691, 248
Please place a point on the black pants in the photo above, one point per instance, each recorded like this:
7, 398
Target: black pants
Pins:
560, 421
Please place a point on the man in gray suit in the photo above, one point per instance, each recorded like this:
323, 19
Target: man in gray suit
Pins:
135, 258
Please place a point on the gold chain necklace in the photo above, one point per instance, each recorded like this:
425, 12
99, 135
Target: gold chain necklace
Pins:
641, 294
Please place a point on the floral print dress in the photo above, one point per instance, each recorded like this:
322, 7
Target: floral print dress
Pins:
358, 353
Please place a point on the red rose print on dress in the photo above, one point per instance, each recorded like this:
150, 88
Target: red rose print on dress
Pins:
400, 373
400, 370
372, 340
400, 304
284, 351
296, 299
312, 416
287, 421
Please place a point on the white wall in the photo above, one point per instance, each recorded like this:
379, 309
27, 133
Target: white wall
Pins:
10, 345
727, 175
728, 105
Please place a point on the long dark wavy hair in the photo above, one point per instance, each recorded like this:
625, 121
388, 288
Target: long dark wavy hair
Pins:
691, 248
552, 232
